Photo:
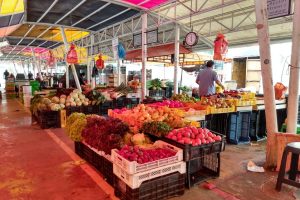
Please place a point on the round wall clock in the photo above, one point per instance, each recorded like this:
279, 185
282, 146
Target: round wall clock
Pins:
191, 39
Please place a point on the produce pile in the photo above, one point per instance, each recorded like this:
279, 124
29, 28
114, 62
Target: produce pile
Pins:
183, 98
142, 155
104, 134
136, 117
169, 103
159, 129
193, 136
76, 122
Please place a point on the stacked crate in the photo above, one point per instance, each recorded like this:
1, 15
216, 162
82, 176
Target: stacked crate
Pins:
158, 179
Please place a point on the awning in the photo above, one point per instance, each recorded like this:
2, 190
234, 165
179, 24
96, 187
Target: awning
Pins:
156, 51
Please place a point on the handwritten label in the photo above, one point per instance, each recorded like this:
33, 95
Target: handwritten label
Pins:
278, 8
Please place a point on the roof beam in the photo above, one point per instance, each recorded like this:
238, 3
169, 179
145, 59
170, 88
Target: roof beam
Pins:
68, 13
44, 14
96, 11
120, 13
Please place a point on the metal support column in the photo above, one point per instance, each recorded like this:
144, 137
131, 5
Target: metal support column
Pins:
294, 73
35, 64
93, 80
176, 58
66, 51
144, 54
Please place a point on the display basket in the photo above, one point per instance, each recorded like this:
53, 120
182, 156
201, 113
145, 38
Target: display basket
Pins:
132, 167
135, 180
90, 109
191, 152
164, 187
249, 102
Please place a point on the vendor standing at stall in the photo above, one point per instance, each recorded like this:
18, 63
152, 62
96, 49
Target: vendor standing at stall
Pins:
206, 80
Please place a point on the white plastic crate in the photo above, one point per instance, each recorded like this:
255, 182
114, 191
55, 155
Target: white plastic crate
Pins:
132, 167
135, 180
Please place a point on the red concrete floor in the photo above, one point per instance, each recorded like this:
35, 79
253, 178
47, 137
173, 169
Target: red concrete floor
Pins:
34, 166
40, 164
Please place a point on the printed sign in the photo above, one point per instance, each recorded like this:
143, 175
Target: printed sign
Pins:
278, 8
115, 43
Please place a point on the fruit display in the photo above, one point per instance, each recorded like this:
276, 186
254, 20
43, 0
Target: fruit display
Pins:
155, 84
137, 116
193, 136
141, 155
169, 103
159, 129
183, 98
104, 134
96, 97
76, 122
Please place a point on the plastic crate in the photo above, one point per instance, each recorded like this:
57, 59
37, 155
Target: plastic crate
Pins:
104, 107
160, 188
257, 126
191, 152
97, 160
90, 109
218, 123
205, 167
157, 93
132, 167
72, 109
132, 102
239, 128
49, 119
119, 102
135, 180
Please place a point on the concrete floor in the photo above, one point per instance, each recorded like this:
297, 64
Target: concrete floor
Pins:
41, 164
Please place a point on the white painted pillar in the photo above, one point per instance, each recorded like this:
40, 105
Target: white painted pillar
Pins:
176, 58
294, 73
144, 54
88, 74
119, 71
66, 51
35, 65
93, 80
266, 71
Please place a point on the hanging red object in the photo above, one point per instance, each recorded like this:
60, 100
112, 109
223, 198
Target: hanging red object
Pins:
51, 59
221, 47
72, 57
100, 62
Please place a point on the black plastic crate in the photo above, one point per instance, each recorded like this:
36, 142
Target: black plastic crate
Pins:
200, 169
100, 163
90, 109
191, 152
157, 93
218, 122
160, 188
258, 125
132, 102
49, 119
104, 107
239, 128
73, 109
119, 103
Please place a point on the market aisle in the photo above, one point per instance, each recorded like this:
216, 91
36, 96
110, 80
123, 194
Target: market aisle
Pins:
34, 166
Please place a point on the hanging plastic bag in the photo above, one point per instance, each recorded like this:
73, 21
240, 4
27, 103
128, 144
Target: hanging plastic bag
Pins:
280, 91
121, 51
100, 62
220, 47
72, 57
51, 60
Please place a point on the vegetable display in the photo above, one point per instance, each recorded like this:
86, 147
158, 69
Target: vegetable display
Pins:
76, 122
104, 134
159, 129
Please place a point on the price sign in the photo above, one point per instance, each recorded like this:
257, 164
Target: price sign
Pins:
278, 8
